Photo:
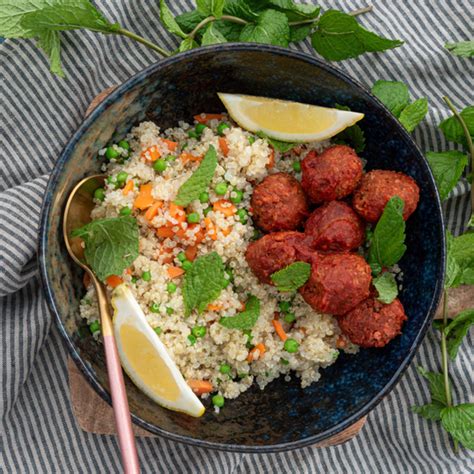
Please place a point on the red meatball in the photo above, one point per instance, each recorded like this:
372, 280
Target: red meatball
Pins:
372, 323
279, 203
275, 251
378, 186
335, 226
338, 282
332, 175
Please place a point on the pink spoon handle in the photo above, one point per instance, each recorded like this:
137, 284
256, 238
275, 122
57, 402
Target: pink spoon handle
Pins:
123, 420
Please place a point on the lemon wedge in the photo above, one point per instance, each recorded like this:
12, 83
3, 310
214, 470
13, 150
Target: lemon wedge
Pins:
286, 120
146, 360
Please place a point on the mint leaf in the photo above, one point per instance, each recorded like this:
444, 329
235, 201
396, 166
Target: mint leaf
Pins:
187, 21
242, 9
352, 136
292, 277
65, 15
462, 250
338, 36
293, 11
282, 147
246, 319
200, 179
461, 48
51, 44
393, 94
203, 282
453, 130
430, 411
414, 113
211, 7
457, 330
187, 44
458, 421
386, 287
212, 35
111, 244
12, 13
299, 33
170, 22
436, 385
388, 241
230, 31
447, 168
453, 270
271, 28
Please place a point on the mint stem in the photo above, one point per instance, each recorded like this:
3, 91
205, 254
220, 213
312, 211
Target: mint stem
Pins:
470, 145
149, 44
360, 11
444, 359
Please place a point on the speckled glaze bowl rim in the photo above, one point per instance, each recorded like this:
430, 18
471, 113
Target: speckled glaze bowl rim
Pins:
51, 300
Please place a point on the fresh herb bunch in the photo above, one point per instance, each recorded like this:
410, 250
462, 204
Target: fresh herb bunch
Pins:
334, 35
447, 168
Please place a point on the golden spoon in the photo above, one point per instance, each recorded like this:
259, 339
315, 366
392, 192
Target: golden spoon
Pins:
77, 214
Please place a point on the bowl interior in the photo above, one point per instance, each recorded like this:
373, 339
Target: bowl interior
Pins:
283, 415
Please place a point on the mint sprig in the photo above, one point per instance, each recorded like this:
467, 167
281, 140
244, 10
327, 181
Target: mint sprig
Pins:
111, 244
464, 49
245, 320
291, 277
386, 286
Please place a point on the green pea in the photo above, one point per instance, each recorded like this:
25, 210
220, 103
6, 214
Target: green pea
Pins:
242, 213
192, 339
125, 211
224, 369
291, 345
296, 166
158, 330
225, 283
181, 256
193, 218
94, 326
111, 153
284, 306
171, 287
284, 361
124, 144
221, 127
99, 194
206, 211
111, 180
170, 158
187, 265
289, 318
221, 189
146, 276
155, 308
122, 177
204, 197
169, 310
218, 401
236, 196
199, 128
192, 134
134, 279
256, 234
251, 140
199, 331
159, 165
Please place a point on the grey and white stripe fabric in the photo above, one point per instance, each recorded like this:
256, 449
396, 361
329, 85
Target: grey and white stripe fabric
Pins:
39, 113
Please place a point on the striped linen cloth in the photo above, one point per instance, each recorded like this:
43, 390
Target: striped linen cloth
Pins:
38, 113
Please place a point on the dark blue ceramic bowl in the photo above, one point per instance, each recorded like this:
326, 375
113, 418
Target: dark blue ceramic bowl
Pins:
283, 416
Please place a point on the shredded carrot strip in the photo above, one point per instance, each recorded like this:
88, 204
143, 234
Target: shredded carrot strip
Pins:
144, 199
185, 157
341, 342
128, 271
113, 281
164, 232
191, 252
261, 349
128, 187
225, 207
152, 211
224, 146
199, 235
203, 118
226, 231
210, 228
170, 144
271, 160
214, 307
174, 272
200, 386
279, 330
177, 213
151, 153
86, 279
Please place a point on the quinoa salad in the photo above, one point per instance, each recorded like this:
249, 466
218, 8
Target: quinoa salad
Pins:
144, 173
